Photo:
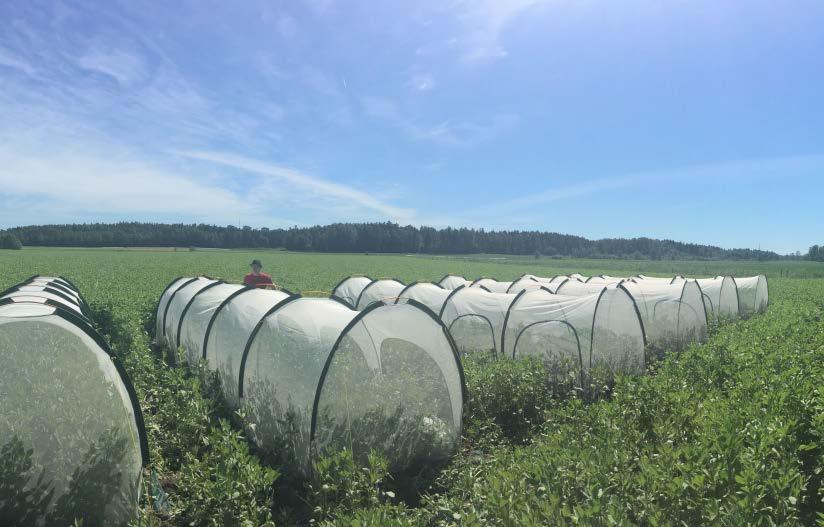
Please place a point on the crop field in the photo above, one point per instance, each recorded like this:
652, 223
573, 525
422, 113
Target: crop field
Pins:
730, 432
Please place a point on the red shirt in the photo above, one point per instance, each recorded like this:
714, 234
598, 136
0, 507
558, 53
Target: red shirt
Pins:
257, 280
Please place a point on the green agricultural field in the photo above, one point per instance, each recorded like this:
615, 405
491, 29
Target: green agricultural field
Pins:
727, 433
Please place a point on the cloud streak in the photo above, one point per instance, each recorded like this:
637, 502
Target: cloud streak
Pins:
315, 186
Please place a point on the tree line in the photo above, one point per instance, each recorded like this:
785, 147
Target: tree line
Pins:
371, 237
816, 253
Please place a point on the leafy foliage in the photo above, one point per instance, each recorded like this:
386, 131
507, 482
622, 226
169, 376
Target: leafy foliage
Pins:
9, 241
727, 433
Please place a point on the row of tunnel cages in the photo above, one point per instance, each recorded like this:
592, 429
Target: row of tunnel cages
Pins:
668, 314
313, 375
575, 335
72, 439
725, 297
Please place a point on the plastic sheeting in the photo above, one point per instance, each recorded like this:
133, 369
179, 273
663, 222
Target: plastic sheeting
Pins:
475, 318
72, 442
577, 333
349, 289
753, 294
386, 289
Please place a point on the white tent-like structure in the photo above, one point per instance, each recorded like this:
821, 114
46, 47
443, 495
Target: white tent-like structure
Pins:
195, 321
673, 314
72, 440
384, 289
349, 289
312, 374
753, 294
319, 376
179, 304
720, 297
492, 285
475, 318
228, 332
48, 290
525, 283
577, 333
430, 294
452, 281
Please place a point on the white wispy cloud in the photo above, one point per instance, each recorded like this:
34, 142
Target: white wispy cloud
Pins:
344, 195
12, 60
422, 81
445, 133
748, 171
124, 67
484, 23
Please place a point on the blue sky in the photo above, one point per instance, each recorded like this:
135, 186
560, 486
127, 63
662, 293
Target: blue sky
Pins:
693, 120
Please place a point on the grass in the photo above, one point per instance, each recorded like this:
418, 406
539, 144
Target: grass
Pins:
727, 433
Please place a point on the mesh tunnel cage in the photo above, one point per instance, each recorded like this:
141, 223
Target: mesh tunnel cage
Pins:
383, 289
753, 294
492, 285
177, 307
194, 322
451, 281
575, 335
349, 289
228, 332
430, 294
67, 298
72, 440
318, 377
720, 297
475, 318
524, 283
673, 315
57, 283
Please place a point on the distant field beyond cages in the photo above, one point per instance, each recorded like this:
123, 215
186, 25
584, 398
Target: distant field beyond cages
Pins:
155, 268
729, 432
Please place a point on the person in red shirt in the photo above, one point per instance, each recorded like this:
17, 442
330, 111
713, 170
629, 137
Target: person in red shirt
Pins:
256, 278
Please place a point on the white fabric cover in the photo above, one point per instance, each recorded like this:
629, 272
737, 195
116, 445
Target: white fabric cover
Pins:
163, 302
753, 294
62, 399
350, 289
427, 293
197, 318
577, 333
60, 285
178, 302
30, 292
525, 283
379, 291
391, 383
720, 297
673, 314
475, 318
576, 288
451, 281
230, 332
492, 284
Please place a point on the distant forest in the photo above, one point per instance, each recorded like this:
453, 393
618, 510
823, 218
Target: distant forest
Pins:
373, 237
